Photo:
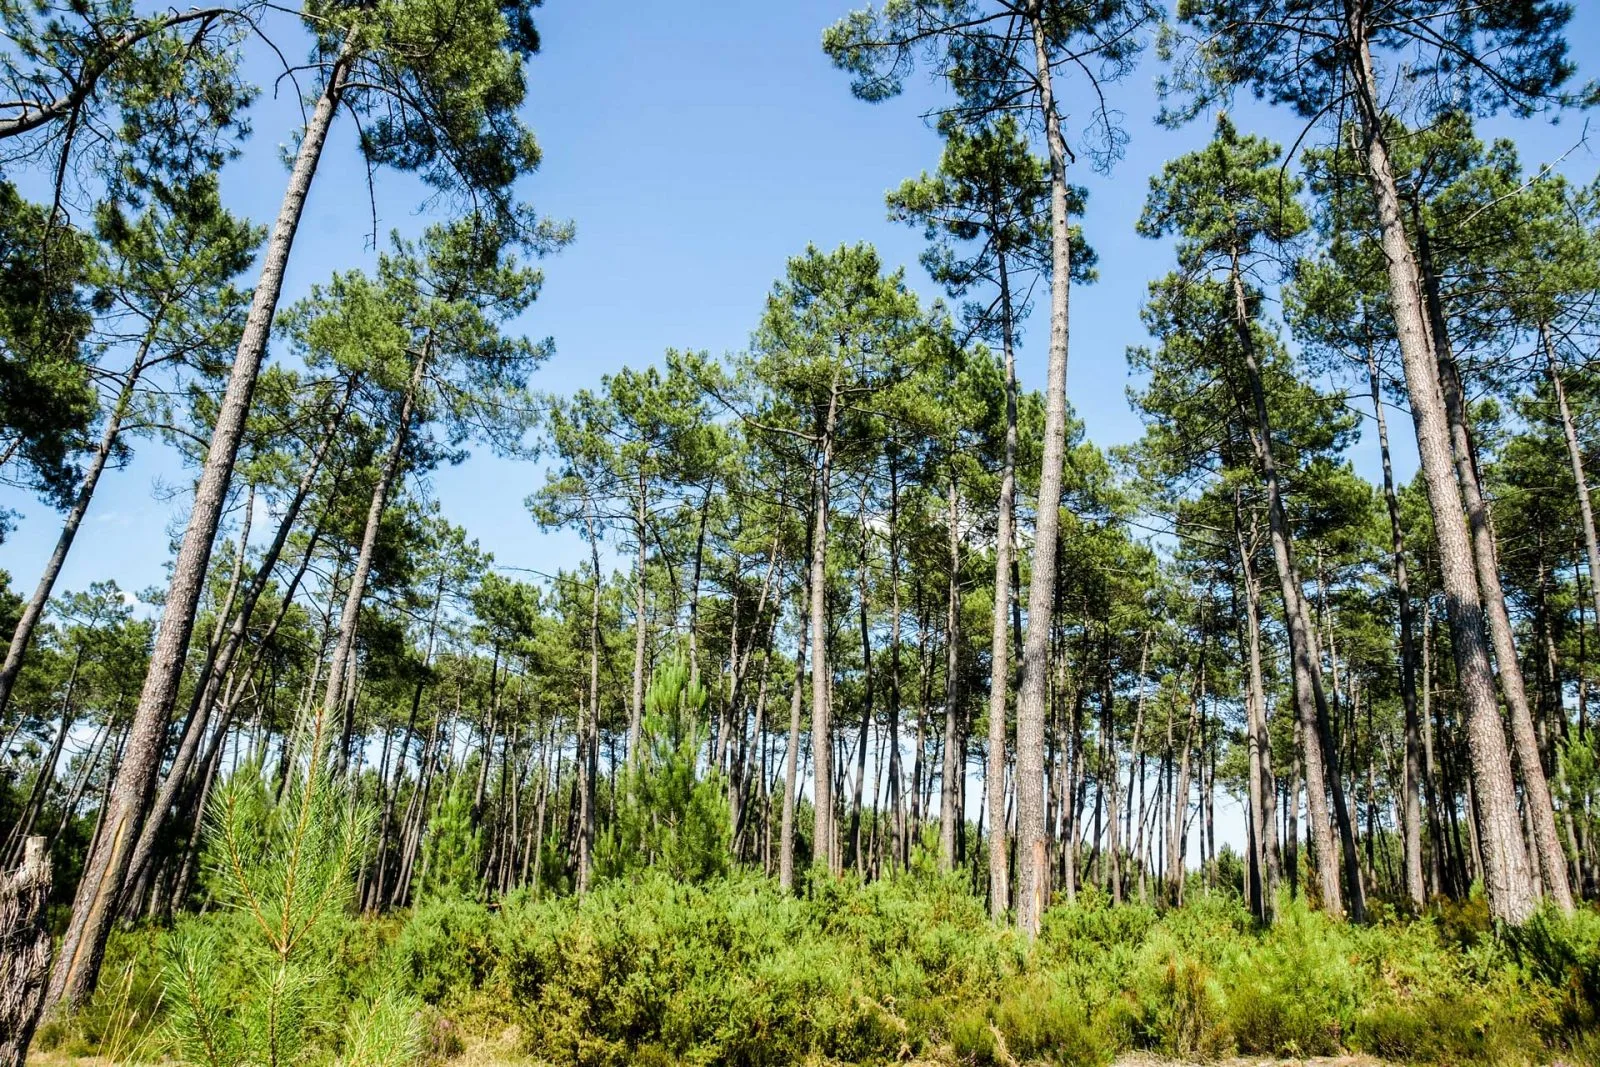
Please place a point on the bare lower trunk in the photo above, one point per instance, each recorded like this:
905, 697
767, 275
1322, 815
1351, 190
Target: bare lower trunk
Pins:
221, 661
1579, 478
1309, 697
955, 742
791, 755
641, 628
338, 698
1032, 861
1506, 874
1410, 801
821, 703
999, 638
83, 946
1540, 810
1263, 788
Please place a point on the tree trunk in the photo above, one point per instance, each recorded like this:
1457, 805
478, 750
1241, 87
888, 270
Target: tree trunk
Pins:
1506, 873
1579, 478
339, 696
791, 755
999, 638
1411, 802
83, 946
1032, 861
821, 704
220, 662
24, 951
1552, 860
22, 636
1263, 788
589, 726
955, 741
1309, 697
867, 697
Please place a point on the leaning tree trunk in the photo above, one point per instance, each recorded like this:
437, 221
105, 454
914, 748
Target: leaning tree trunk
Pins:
24, 951
33, 611
83, 946
218, 666
1032, 859
1506, 874
1579, 478
1411, 801
339, 695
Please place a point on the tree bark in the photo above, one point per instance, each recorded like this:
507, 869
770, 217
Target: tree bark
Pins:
1552, 860
1410, 802
1032, 860
24, 951
1000, 639
1309, 696
33, 611
955, 741
1506, 873
83, 946
821, 703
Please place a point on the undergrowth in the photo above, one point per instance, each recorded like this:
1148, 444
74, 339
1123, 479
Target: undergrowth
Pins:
648, 971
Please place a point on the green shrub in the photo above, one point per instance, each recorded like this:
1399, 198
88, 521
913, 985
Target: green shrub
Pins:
444, 949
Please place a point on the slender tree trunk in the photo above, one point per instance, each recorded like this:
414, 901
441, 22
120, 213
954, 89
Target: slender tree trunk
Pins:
1551, 860
1263, 788
1309, 697
220, 662
1506, 873
1000, 639
338, 698
83, 946
866, 699
1410, 803
589, 726
955, 742
641, 627
1032, 861
791, 755
33, 611
902, 846
1579, 477
821, 703
45, 776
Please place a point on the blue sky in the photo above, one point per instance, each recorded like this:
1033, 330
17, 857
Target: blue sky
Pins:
696, 147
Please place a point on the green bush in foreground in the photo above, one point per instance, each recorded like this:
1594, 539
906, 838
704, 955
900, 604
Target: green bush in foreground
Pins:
732, 971
646, 970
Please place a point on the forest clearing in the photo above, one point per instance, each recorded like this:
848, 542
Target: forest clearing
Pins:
418, 656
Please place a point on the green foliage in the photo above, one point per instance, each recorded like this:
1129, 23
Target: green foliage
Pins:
263, 982
669, 818
452, 848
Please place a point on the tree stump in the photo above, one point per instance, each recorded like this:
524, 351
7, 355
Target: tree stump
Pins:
24, 951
